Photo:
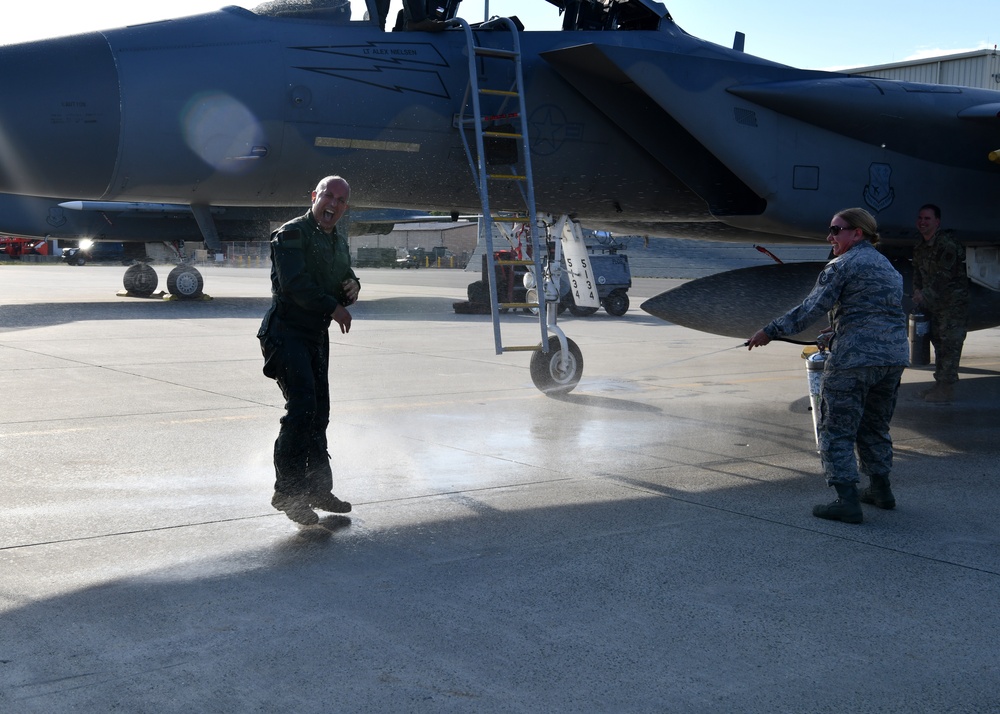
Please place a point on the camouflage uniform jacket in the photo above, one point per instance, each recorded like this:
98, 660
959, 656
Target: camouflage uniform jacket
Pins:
864, 294
939, 272
308, 268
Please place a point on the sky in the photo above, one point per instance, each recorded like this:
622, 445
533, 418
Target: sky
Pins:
848, 33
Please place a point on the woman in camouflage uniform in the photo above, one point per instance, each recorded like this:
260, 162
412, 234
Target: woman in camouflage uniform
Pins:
867, 339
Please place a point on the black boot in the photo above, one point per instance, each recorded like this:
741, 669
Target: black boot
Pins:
330, 503
296, 508
846, 508
879, 494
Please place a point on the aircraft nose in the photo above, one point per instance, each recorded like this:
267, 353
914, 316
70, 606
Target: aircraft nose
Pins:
60, 117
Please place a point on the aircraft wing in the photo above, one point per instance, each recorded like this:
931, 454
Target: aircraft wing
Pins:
133, 221
147, 221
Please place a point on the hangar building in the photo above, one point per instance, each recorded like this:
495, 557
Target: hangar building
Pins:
980, 69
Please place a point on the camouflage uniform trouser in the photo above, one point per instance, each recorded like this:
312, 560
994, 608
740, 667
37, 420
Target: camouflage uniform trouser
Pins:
856, 406
948, 329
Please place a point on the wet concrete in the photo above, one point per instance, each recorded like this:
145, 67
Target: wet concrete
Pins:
643, 544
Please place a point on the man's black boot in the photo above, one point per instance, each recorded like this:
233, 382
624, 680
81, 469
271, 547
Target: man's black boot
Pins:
330, 503
846, 508
296, 508
879, 494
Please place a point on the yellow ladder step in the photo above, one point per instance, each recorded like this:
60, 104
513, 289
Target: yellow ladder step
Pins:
518, 305
523, 348
514, 262
499, 92
502, 134
507, 177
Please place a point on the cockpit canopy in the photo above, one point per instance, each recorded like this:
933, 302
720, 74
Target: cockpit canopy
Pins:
335, 10
611, 14
590, 15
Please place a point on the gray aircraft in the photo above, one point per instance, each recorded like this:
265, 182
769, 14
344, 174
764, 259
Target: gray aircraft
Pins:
633, 124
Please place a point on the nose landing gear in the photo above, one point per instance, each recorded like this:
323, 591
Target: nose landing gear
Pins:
555, 372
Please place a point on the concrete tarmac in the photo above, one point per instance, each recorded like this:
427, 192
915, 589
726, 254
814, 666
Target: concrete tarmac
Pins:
644, 544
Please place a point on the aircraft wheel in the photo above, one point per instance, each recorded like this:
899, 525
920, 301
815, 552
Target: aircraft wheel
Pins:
582, 311
185, 282
140, 279
616, 303
546, 373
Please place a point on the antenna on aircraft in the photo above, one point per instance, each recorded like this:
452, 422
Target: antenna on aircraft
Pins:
739, 41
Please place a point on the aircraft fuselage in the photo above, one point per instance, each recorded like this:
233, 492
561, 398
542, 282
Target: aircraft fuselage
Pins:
647, 130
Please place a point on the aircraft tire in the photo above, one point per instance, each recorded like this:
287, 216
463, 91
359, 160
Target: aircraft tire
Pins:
140, 279
616, 303
545, 372
185, 282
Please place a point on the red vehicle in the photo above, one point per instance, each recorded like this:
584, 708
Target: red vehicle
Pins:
16, 247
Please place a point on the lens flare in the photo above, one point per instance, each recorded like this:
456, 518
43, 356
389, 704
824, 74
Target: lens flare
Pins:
11, 167
223, 132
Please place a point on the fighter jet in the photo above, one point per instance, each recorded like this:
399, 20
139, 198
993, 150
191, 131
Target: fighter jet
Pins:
634, 125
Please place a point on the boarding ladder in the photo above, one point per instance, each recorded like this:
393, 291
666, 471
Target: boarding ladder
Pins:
504, 103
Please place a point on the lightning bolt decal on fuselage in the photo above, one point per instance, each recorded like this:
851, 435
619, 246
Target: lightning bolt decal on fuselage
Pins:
395, 66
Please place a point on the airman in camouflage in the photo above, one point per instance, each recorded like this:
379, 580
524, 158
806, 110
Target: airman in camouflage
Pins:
941, 289
863, 295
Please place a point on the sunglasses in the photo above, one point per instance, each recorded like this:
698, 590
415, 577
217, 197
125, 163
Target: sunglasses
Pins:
835, 230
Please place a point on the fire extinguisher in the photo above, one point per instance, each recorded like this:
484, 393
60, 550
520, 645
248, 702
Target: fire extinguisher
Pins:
920, 338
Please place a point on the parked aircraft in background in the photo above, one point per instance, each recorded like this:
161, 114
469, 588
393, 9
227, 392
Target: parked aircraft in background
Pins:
634, 125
